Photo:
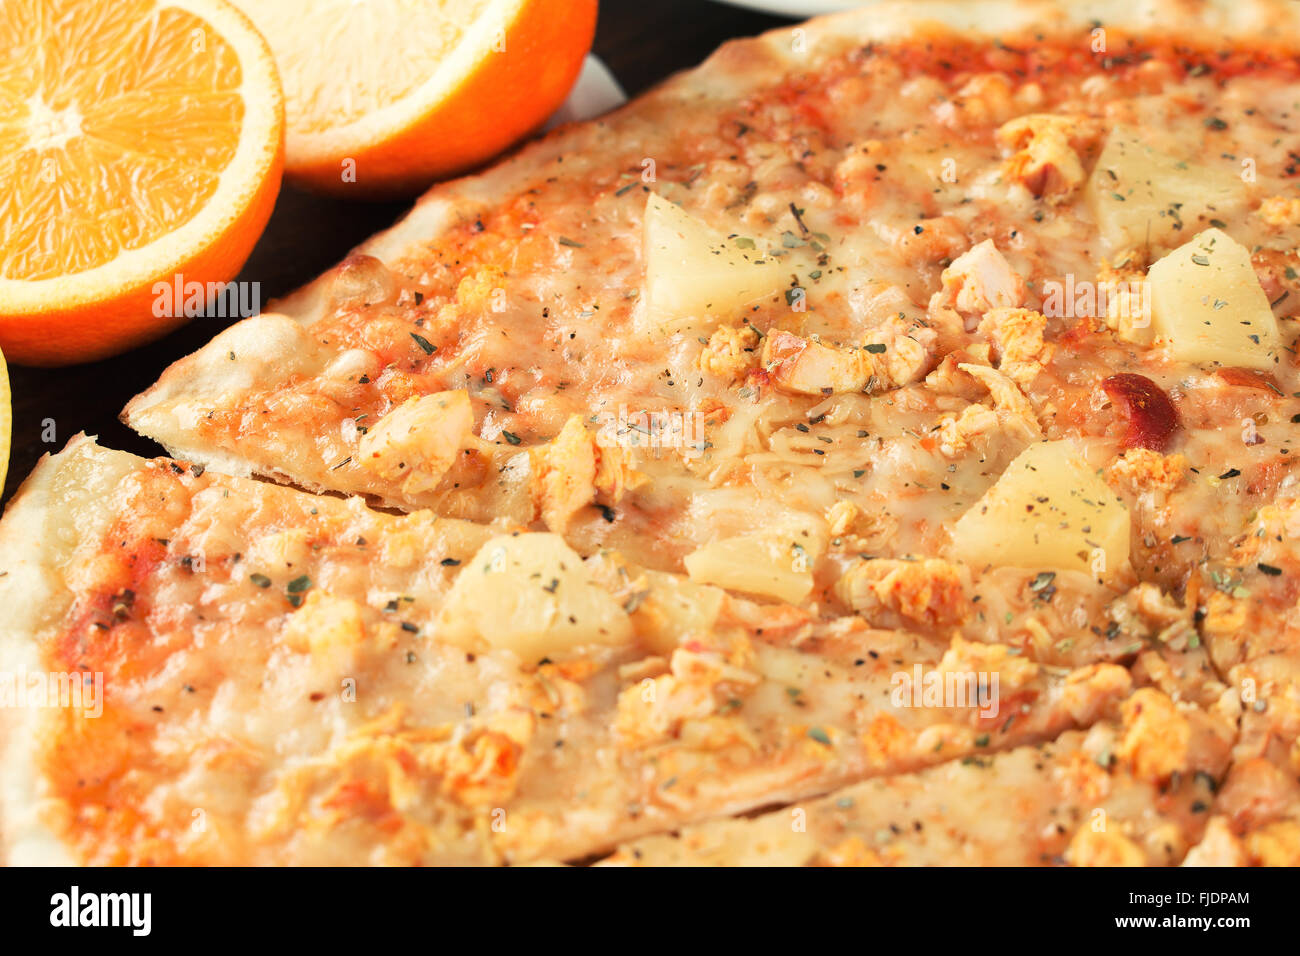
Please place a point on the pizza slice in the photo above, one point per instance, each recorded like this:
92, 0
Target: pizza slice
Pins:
207, 669
814, 300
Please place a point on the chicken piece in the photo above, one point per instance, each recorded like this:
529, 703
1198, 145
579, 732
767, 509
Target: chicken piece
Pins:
656, 708
957, 433
570, 472
1088, 690
974, 657
1280, 211
1256, 792
481, 767
1017, 335
1156, 737
1011, 414
927, 592
841, 516
1008, 400
1142, 470
985, 99
1045, 160
417, 441
615, 475
807, 367
908, 353
1124, 298
948, 379
802, 366
981, 279
563, 475
730, 352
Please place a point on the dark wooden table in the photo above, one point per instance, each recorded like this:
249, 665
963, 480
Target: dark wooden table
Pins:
641, 41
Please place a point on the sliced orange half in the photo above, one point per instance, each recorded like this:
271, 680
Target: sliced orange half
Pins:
384, 96
141, 142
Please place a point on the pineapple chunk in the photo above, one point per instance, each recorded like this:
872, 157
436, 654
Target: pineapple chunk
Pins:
532, 594
675, 608
695, 275
1144, 197
1047, 510
768, 564
1207, 303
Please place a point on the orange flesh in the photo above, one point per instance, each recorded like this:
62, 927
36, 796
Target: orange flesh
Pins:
95, 159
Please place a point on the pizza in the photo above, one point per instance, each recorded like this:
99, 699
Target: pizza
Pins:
896, 410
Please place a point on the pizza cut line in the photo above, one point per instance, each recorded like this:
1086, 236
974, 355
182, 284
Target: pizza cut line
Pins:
929, 344
1069, 801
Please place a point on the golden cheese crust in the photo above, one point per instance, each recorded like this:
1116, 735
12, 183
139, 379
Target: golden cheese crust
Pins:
931, 349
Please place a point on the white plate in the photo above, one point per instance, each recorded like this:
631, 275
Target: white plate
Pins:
796, 8
594, 93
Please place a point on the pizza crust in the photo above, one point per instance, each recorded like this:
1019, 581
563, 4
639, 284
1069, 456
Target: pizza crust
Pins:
64, 501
